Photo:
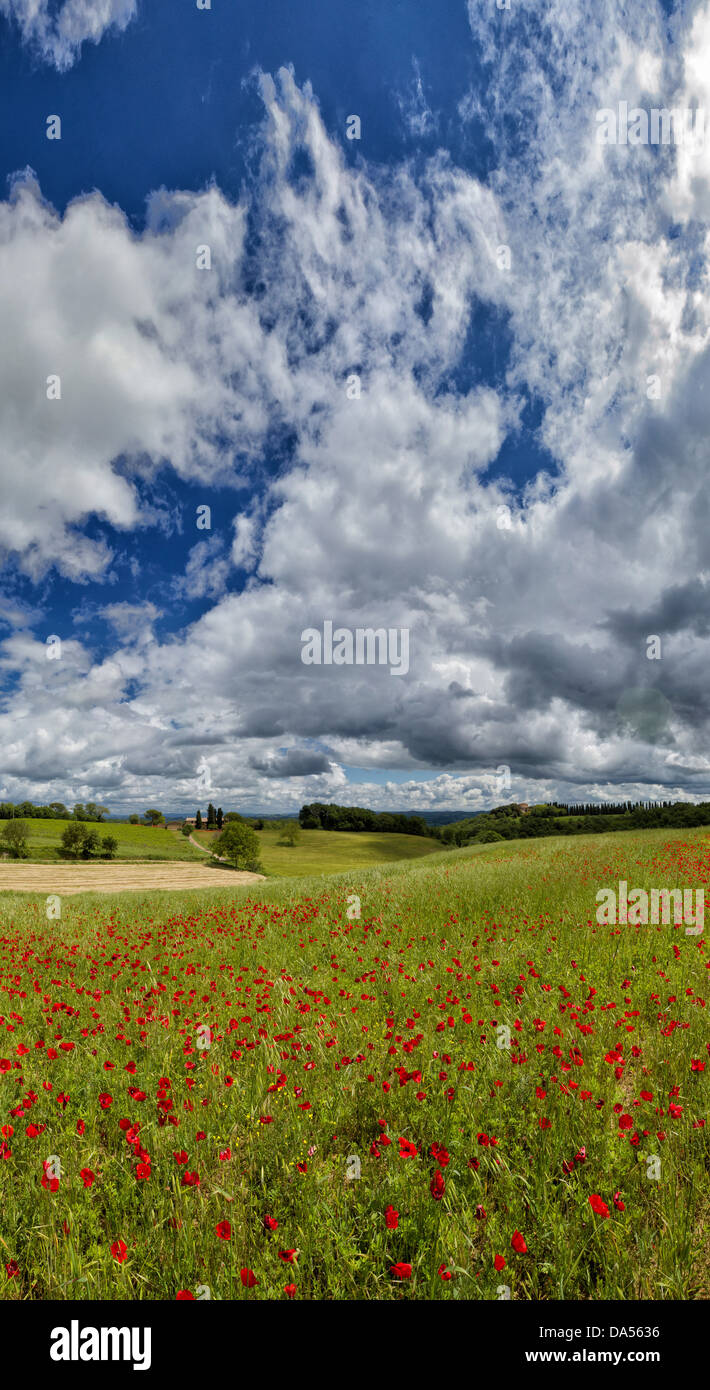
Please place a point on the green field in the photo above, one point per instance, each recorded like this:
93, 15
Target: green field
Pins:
331, 851
470, 1086
319, 851
135, 842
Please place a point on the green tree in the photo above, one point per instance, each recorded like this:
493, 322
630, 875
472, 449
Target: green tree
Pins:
79, 813
290, 833
109, 845
15, 835
134, 820
90, 845
198, 821
211, 817
233, 815
60, 810
240, 845
73, 837
220, 818
186, 829
154, 817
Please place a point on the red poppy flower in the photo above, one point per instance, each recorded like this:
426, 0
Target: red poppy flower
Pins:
406, 1148
402, 1270
105, 1100
391, 1218
248, 1278
290, 1290
518, 1243
119, 1250
499, 1262
12, 1268
598, 1205
185, 1293
224, 1230
287, 1256
270, 1223
620, 1206
87, 1177
445, 1273
437, 1186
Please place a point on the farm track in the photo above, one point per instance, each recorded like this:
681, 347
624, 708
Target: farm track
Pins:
170, 875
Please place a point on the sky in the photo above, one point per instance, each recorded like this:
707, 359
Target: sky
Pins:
322, 318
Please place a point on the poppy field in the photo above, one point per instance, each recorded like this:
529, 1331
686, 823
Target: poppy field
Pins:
420, 1081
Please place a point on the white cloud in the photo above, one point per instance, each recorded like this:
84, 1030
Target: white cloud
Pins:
527, 642
57, 34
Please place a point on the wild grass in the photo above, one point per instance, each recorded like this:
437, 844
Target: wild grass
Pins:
324, 1036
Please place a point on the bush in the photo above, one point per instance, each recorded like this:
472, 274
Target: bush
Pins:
15, 836
486, 837
109, 846
186, 829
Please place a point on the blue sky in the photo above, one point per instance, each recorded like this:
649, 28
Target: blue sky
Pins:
172, 102
498, 490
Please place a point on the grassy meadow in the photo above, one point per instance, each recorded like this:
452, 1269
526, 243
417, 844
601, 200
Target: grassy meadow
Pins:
330, 851
469, 1088
318, 852
135, 842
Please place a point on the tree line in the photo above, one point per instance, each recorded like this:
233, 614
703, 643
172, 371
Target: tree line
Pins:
318, 816
510, 823
507, 823
56, 810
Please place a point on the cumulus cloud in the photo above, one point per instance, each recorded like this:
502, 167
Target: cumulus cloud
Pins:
340, 331
56, 34
294, 762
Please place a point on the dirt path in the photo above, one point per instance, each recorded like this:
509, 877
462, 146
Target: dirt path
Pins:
170, 875
221, 857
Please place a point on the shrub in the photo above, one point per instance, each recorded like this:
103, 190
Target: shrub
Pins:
109, 846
